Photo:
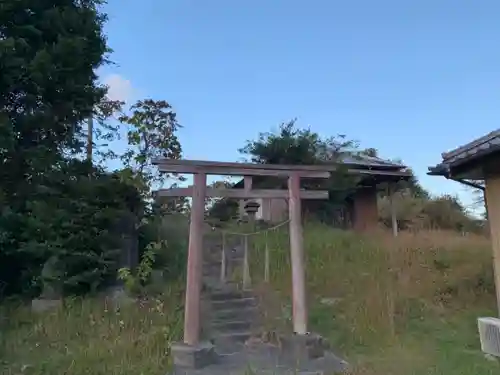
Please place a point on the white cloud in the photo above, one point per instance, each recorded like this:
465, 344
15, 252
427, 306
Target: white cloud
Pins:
119, 87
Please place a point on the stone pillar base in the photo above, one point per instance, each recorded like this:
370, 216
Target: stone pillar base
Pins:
304, 347
43, 304
193, 356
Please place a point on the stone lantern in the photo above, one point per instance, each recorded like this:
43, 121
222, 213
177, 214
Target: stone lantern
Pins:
251, 208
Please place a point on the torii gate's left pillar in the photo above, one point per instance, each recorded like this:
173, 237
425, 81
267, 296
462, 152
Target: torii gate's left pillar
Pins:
192, 353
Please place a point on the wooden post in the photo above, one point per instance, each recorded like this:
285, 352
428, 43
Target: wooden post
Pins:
492, 194
297, 257
246, 261
394, 219
223, 261
194, 263
266, 260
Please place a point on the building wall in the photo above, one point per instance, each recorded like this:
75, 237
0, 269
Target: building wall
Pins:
278, 210
364, 209
361, 212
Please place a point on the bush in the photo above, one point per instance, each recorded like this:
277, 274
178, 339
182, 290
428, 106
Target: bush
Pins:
73, 216
415, 213
172, 230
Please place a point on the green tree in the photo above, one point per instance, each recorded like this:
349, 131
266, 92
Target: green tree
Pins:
292, 145
222, 209
152, 133
100, 131
49, 53
152, 128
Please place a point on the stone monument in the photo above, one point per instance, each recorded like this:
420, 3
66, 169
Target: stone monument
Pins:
52, 287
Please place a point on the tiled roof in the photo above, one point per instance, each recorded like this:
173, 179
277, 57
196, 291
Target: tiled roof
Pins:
474, 150
369, 162
481, 146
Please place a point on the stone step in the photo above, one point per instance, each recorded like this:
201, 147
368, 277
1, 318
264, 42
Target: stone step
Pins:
214, 274
217, 259
239, 303
247, 313
213, 284
215, 269
227, 326
237, 336
211, 267
224, 295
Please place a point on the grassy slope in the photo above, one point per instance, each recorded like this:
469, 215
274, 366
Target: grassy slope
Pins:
404, 307
91, 337
399, 307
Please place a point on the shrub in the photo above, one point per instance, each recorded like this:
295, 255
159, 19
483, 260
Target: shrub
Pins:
73, 216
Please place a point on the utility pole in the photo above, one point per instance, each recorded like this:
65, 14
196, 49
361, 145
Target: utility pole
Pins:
90, 132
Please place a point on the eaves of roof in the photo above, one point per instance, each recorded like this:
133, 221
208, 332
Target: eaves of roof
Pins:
472, 151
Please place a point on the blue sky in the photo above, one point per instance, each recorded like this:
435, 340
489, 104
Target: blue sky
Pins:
410, 78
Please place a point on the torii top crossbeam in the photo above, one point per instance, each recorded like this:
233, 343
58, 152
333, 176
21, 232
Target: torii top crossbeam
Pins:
252, 169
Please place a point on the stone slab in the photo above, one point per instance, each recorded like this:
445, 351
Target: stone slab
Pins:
193, 357
303, 347
266, 359
41, 304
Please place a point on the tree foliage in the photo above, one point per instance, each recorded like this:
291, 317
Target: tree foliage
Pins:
48, 56
52, 205
293, 145
73, 218
151, 134
414, 212
103, 131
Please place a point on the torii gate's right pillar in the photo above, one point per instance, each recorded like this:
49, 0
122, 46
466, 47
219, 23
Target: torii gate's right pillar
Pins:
299, 301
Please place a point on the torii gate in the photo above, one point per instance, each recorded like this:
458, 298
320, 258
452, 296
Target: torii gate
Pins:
199, 191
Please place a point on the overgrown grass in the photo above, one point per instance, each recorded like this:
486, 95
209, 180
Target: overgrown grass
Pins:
391, 306
91, 337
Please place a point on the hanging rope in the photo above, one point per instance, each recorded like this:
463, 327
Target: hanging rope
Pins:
246, 253
246, 264
223, 259
266, 260
252, 233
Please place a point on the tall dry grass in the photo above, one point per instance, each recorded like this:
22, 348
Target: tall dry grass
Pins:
390, 306
394, 297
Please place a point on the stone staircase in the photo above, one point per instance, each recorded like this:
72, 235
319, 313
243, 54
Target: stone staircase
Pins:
229, 314
230, 317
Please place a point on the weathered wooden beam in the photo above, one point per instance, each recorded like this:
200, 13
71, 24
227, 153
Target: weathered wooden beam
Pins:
195, 263
276, 170
235, 165
248, 182
238, 171
241, 193
299, 305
